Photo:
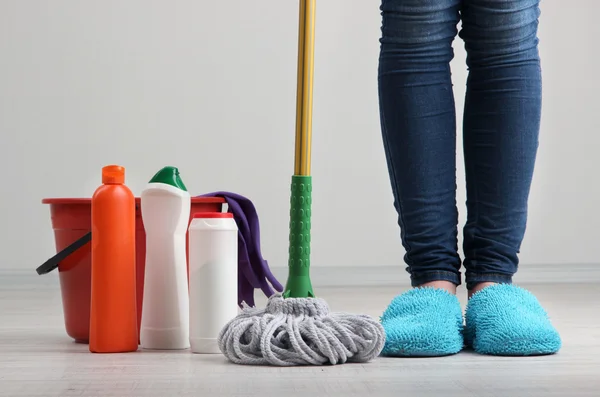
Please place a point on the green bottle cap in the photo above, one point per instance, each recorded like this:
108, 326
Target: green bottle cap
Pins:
169, 176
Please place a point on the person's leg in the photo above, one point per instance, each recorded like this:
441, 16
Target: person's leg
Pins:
501, 127
418, 124
419, 133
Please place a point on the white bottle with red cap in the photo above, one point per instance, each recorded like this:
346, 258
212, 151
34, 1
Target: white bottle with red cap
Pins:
213, 262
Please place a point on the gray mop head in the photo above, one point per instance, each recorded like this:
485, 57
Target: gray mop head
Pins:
300, 331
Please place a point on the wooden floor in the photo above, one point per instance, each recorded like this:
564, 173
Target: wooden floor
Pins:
38, 359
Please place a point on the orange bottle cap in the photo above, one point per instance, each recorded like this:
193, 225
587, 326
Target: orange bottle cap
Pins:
113, 174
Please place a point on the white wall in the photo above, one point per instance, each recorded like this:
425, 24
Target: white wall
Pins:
196, 83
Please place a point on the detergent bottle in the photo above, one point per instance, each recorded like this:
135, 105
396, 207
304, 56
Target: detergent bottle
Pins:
113, 311
165, 208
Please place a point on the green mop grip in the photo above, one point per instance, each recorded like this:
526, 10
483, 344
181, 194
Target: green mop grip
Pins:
298, 282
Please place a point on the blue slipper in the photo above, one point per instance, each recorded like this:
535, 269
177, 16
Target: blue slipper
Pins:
507, 320
423, 322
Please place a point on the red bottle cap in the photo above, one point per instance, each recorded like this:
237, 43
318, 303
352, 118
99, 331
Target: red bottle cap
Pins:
213, 215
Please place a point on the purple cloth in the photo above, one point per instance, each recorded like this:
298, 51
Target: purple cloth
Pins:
253, 269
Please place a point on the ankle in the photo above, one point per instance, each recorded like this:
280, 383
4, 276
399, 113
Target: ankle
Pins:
479, 287
445, 285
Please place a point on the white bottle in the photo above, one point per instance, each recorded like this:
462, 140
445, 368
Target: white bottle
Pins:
165, 207
213, 246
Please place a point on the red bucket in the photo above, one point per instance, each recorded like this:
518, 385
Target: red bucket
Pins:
72, 224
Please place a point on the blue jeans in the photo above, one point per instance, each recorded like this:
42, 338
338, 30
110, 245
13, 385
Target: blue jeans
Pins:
500, 129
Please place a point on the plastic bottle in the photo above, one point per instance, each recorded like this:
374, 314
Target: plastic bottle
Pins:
113, 313
165, 205
213, 252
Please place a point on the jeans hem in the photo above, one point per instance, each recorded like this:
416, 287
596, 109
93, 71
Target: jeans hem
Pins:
476, 278
421, 278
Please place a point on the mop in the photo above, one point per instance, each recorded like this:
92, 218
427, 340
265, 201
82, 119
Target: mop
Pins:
296, 327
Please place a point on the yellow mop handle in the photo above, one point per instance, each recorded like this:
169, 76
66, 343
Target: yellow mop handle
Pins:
304, 96
298, 284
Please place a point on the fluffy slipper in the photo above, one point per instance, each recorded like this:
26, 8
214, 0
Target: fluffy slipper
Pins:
507, 320
423, 322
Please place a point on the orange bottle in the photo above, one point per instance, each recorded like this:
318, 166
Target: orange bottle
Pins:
113, 314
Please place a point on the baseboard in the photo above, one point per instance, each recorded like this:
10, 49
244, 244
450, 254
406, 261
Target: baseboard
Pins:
368, 276
357, 276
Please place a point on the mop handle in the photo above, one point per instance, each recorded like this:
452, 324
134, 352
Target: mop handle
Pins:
304, 89
298, 282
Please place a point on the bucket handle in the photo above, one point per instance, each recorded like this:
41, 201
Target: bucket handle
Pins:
53, 262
